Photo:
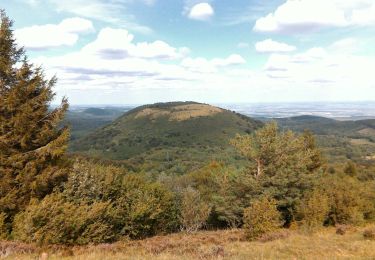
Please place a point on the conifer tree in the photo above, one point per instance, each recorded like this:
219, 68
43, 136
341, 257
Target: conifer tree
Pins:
284, 163
32, 143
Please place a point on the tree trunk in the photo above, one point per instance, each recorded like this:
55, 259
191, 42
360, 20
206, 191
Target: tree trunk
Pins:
259, 168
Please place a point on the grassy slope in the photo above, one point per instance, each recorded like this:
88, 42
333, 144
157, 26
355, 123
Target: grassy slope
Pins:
229, 244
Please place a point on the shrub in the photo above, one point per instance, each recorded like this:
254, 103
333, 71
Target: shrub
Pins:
92, 182
56, 221
351, 169
137, 209
194, 211
145, 209
369, 234
261, 217
3, 227
313, 210
350, 201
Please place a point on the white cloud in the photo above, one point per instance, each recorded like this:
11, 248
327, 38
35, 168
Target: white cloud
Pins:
201, 11
346, 45
115, 68
232, 60
108, 11
269, 46
317, 67
200, 65
118, 44
114, 61
66, 33
300, 16
203, 65
76, 25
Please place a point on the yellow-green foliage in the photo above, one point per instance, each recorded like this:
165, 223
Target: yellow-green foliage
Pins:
194, 211
3, 227
56, 221
314, 209
145, 209
261, 217
98, 205
350, 201
226, 189
351, 169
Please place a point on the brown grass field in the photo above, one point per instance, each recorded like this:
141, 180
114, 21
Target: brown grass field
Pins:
181, 112
229, 244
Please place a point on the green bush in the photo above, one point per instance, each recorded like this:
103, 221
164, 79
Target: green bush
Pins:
261, 217
99, 205
226, 189
56, 221
313, 210
145, 209
350, 201
351, 169
3, 227
194, 211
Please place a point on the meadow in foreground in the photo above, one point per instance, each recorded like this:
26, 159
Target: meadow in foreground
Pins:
226, 244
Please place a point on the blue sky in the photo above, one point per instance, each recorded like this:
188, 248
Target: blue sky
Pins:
215, 51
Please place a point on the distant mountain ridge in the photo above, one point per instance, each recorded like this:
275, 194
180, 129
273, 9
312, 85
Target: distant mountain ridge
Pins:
323, 125
340, 140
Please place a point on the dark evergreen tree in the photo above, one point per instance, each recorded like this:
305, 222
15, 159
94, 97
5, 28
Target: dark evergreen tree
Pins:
32, 142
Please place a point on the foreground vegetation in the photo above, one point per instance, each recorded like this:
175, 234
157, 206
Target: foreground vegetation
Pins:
225, 244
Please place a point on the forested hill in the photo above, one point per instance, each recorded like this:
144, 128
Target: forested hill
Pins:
188, 132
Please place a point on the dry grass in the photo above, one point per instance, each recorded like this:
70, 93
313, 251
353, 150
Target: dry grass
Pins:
323, 244
153, 113
360, 142
180, 113
372, 157
367, 131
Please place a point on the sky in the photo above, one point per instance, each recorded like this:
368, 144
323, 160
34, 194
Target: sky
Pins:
212, 51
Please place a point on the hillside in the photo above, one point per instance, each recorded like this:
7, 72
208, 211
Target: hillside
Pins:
84, 121
187, 132
339, 139
326, 126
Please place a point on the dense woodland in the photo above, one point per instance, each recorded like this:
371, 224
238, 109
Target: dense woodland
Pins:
273, 177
